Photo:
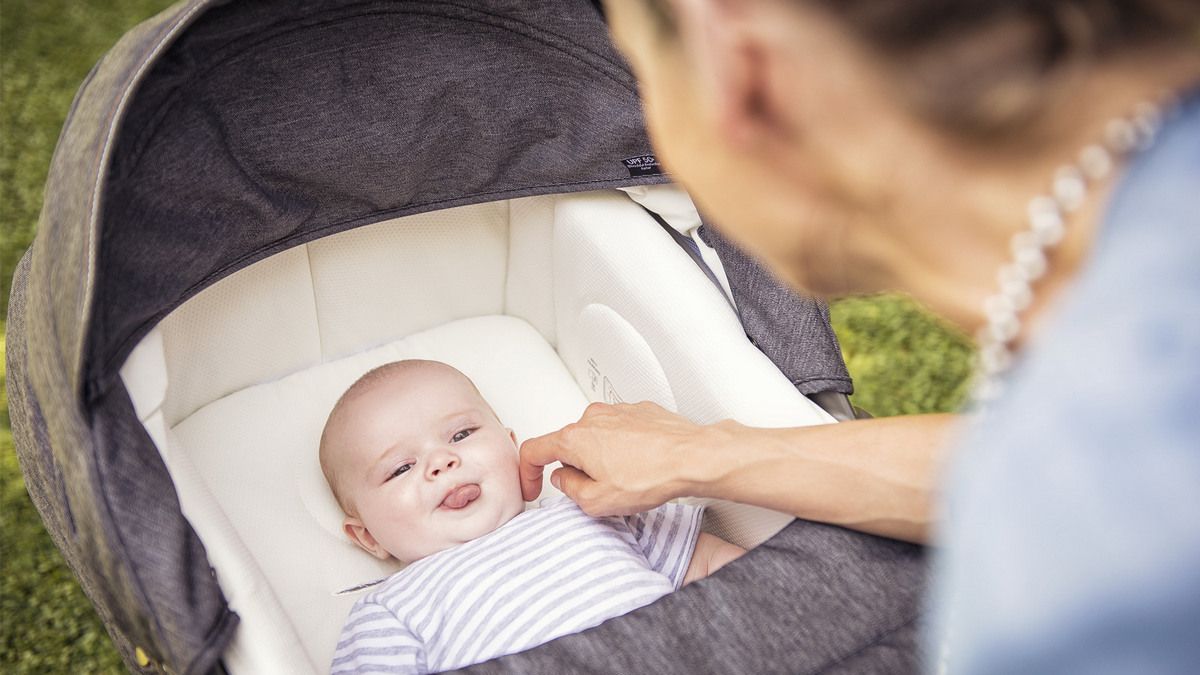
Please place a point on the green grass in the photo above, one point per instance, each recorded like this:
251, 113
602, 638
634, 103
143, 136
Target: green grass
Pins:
46, 49
49, 626
902, 360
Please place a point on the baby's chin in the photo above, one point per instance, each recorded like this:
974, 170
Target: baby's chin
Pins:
491, 519
469, 529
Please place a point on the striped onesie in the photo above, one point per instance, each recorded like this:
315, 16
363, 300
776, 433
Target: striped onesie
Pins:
546, 573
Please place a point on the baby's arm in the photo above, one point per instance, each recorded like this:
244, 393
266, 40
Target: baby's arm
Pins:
373, 640
710, 555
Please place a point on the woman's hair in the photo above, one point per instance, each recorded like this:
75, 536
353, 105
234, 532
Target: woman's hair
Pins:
986, 67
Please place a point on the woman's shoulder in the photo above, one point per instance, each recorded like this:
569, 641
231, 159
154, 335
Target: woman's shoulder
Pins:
1074, 495
1108, 384
1128, 327
1156, 198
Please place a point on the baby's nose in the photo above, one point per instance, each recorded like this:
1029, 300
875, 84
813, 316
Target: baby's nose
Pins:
442, 462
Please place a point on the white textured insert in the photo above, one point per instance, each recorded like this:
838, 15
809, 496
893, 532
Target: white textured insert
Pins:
256, 453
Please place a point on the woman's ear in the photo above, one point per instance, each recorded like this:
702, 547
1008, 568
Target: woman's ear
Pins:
360, 535
724, 45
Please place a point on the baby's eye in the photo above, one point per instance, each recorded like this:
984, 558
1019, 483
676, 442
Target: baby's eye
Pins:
461, 435
403, 468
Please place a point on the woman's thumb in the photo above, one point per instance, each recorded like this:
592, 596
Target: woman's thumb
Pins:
570, 481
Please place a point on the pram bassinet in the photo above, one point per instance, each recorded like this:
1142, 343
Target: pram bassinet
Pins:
224, 161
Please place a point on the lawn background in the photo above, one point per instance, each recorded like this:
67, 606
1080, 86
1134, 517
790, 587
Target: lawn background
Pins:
902, 359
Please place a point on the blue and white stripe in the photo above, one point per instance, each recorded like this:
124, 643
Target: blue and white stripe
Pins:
548, 572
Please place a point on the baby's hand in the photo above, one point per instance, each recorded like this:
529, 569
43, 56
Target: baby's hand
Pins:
710, 555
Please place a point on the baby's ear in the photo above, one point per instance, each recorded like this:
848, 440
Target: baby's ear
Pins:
512, 434
359, 534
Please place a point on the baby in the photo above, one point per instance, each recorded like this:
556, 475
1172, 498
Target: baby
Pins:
426, 473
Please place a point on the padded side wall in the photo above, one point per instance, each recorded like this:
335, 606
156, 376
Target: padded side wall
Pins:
257, 324
379, 283
336, 296
637, 320
529, 288
609, 254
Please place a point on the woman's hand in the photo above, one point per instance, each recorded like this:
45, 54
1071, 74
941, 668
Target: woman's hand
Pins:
617, 459
873, 475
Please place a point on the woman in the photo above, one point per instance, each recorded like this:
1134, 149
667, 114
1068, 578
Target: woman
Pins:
1009, 164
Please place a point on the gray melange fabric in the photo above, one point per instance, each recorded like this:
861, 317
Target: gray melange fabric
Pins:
791, 329
276, 122
91, 471
812, 599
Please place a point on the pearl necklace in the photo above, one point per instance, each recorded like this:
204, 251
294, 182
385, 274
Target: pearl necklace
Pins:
1046, 217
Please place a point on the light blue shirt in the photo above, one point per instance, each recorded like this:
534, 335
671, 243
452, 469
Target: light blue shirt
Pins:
1072, 537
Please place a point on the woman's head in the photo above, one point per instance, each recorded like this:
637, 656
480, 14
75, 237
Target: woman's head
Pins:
845, 141
984, 67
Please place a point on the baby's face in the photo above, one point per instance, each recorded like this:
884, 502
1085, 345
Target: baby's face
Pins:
425, 464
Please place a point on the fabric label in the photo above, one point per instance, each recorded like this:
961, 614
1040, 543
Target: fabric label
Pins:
642, 165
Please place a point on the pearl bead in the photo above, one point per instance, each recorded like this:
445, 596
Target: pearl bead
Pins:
1120, 136
1046, 221
1032, 263
1146, 120
999, 305
1069, 188
1041, 206
1049, 230
1018, 293
1028, 256
995, 358
1046, 228
1003, 327
1095, 162
1024, 241
1011, 274
1149, 114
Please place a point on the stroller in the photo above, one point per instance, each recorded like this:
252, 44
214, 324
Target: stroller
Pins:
253, 203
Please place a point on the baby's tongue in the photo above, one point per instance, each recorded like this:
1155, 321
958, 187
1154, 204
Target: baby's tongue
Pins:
461, 496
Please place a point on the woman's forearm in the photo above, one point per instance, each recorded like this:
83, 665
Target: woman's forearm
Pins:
872, 475
875, 475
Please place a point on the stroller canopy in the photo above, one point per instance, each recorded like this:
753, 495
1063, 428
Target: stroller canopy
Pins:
219, 133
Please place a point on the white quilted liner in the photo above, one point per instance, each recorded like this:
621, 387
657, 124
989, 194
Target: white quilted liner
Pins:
545, 302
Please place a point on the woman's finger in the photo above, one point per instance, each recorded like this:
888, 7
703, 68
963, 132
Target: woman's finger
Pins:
573, 483
535, 454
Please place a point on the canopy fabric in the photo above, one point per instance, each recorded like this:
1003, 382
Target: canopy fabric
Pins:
219, 133
268, 124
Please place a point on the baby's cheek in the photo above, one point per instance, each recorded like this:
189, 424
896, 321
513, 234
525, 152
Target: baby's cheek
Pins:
402, 515
516, 498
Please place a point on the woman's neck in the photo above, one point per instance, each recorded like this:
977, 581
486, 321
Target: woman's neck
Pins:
967, 202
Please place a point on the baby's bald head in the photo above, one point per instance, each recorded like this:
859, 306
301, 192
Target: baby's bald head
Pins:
339, 434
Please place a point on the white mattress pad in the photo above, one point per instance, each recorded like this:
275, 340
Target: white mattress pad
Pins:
257, 449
